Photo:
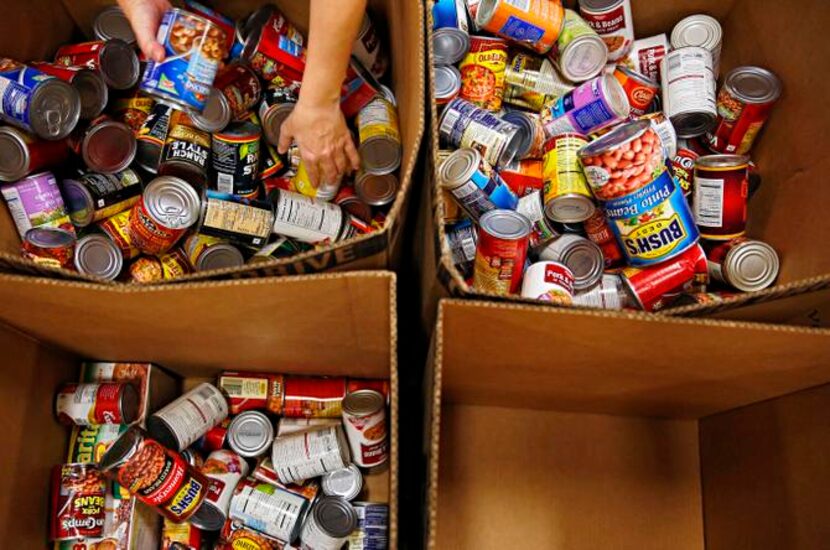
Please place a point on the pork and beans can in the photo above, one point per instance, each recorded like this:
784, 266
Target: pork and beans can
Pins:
364, 419
501, 252
179, 424
166, 210
548, 281
482, 72
304, 455
534, 24
97, 403
612, 21
186, 150
239, 220
92, 197
742, 263
591, 106
313, 397
474, 185
235, 159
531, 82
579, 51
721, 190
22, 154
224, 470
462, 124
275, 511
567, 197
77, 502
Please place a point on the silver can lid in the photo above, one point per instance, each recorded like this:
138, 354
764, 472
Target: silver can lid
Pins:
616, 137
570, 208
54, 109
172, 202
526, 131
216, 113
449, 45
751, 265
376, 190
584, 57
363, 402
335, 516
615, 95
345, 483
49, 237
505, 224
14, 154
113, 23
119, 64
582, 256
697, 30
250, 434
721, 161
97, 255
380, 155
599, 5
108, 147
219, 256
447, 81
93, 91
273, 119
753, 84
458, 167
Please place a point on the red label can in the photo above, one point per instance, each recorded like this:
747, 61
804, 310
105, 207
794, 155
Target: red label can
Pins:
721, 189
639, 89
652, 287
149, 235
683, 168
241, 87
483, 72
78, 495
93, 404
313, 397
503, 238
598, 231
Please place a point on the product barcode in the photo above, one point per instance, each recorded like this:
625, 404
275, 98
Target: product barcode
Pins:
468, 245
224, 183
448, 123
232, 388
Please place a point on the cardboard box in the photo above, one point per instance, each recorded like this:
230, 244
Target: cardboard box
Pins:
575, 429
789, 153
338, 324
50, 23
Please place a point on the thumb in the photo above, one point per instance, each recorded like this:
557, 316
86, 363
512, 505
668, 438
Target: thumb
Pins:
286, 137
144, 19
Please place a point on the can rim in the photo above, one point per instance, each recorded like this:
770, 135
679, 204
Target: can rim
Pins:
449, 45
376, 195
596, 48
228, 256
746, 255
51, 86
363, 402
345, 517
95, 82
572, 201
89, 155
767, 78
722, 161
189, 209
680, 33
458, 167
600, 5
521, 229
99, 242
275, 114
250, 417
15, 138
121, 449
356, 482
125, 55
215, 115
59, 238
582, 246
109, 17
446, 81
622, 134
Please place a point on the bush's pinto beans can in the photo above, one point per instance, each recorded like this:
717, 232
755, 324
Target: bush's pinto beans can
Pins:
450, 31
236, 90
608, 293
166, 210
612, 21
531, 134
241, 221
22, 154
721, 190
744, 104
115, 59
331, 521
534, 24
273, 510
372, 524
475, 186
550, 282
579, 52
49, 246
224, 470
380, 137
639, 89
702, 31
665, 131
250, 434
591, 106
77, 502
92, 197
236, 159
157, 476
205, 253
36, 102
482, 72
462, 238
531, 82
36, 201
503, 239
447, 84
464, 125
567, 197
98, 403
304, 455
111, 22
105, 145
689, 90
310, 220
194, 48
89, 83
186, 151
364, 419
580, 255
541, 229
649, 287
346, 483
745, 264
151, 137
597, 230
183, 421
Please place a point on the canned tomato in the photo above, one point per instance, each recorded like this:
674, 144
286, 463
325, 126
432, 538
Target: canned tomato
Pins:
115, 59
132, 110
269, 509
166, 209
89, 83
475, 186
380, 139
646, 54
689, 90
745, 264
331, 521
721, 189
117, 228
180, 423
534, 24
450, 31
567, 197
49, 246
462, 124
579, 52
639, 89
649, 286
21, 153
523, 176
541, 229
193, 48
531, 134
375, 190
92, 197
235, 536
317, 397
598, 231
224, 469
608, 293
304, 455
531, 82
612, 20
186, 151
253, 391
446, 84
235, 159
368, 50
105, 145
309, 220
205, 253
503, 239
591, 106
482, 72
744, 104
364, 419
92, 404
549, 282
235, 91
77, 502
151, 137
250, 434
241, 221
582, 256
157, 476
35, 201
702, 31
372, 530
346, 483
99, 256
36, 102
461, 240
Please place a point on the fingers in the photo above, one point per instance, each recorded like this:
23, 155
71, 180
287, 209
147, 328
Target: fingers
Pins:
353, 157
144, 17
328, 166
313, 171
286, 136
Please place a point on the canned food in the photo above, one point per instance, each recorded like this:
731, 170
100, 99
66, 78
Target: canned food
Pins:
213, 440
646, 55
49, 246
532, 208
180, 536
186, 151
93, 197
612, 20
77, 502
701, 298
105, 145
582, 256
531, 134
235, 91
372, 530
224, 470
721, 189
534, 24
304, 455
235, 159
375, 190
446, 83
166, 209
146, 270
744, 104
331, 521
549, 282
274, 56
205, 253
462, 238
523, 177
101, 403
473, 184
639, 89
194, 47
682, 166
482, 72
358, 90
309, 220
117, 228
222, 21
346, 483
277, 103
241, 221
745, 264
591, 106
235, 536
689, 90
532, 82
364, 419
253, 391
156, 476
111, 22
608, 293
151, 137
174, 264
665, 131
90, 85
266, 472
288, 426
462, 125
250, 434
114, 58
21, 153
36, 102
649, 286
567, 197
450, 32
269, 509
367, 49
380, 139
598, 231
132, 110
702, 31
317, 397
180, 423
35, 201
502, 248
579, 52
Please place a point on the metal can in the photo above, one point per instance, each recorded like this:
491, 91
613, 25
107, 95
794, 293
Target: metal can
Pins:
238, 220
21, 153
364, 419
450, 32
151, 137
503, 239
358, 89
222, 21
662, 126
166, 209
367, 48
599, 232
331, 521
304, 455
205, 253
90, 85
532, 82
682, 166
446, 83
114, 58
346, 483
105, 145
224, 470
235, 91
156, 476
132, 110
523, 177
111, 22
646, 54
473, 184
180, 423
250, 434
541, 230
253, 391
313, 397
567, 197
372, 532
92, 197
745, 264
93, 404
235, 159
608, 293
531, 134
648, 287
689, 90
744, 104
235, 536
309, 220
166, 266
533, 23
289, 426
180, 536
579, 52
194, 47
462, 238
35, 201
375, 190
49, 246
549, 282
462, 125
36, 102
213, 440
482, 72
77, 502
380, 138
174, 264
274, 56
612, 20
582, 256
721, 190
638, 88
277, 103
701, 31
269, 509
117, 228
186, 151
265, 471
591, 106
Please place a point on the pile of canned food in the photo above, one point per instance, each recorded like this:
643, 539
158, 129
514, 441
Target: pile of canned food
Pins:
173, 167
257, 461
584, 166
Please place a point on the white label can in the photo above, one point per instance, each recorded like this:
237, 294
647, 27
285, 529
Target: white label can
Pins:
224, 469
613, 23
183, 421
304, 455
268, 509
306, 219
689, 90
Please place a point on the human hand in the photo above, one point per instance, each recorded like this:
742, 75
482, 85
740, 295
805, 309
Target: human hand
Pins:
145, 18
326, 145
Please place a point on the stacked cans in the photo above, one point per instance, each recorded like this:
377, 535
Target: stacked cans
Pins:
173, 168
578, 157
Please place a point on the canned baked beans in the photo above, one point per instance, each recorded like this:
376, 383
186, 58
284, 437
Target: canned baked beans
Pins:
567, 197
612, 20
235, 536
638, 88
93, 404
77, 502
534, 24
180, 423
482, 72
364, 419
186, 151
721, 190
115, 59
304, 455
503, 239
49, 246
463, 125
165, 211
550, 282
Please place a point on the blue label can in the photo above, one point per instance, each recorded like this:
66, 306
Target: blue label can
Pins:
449, 14
474, 185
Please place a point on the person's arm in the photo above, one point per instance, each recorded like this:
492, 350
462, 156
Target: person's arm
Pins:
145, 18
317, 123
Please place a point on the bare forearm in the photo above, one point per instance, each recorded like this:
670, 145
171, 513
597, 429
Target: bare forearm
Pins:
333, 25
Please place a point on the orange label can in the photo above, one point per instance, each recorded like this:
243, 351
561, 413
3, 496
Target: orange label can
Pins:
483, 71
535, 24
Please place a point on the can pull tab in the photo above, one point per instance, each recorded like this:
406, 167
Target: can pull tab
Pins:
175, 215
52, 116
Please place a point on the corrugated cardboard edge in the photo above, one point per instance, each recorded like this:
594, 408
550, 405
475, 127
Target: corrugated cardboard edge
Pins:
394, 411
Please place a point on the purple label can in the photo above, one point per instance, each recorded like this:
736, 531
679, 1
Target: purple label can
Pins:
589, 107
36, 201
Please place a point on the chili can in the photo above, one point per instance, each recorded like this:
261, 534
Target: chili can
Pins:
567, 197
186, 151
531, 82
111, 22
542, 230
599, 232
549, 282
646, 54
746, 264
364, 419
612, 20
89, 83
534, 24
253, 391
475, 186
482, 72
450, 31
582, 256
591, 106
649, 286
380, 138
313, 397
22, 154
608, 293
346, 483
77, 502
35, 201
367, 48
205, 253
721, 190
372, 532
523, 177
689, 90
151, 137
638, 88
241, 221
180, 423
235, 91
114, 58
49, 246
224, 470
117, 228
304, 455
463, 125
579, 52
501, 251
250, 434
331, 521
166, 209
157, 476
101, 403
702, 31
531, 134
235, 159
269, 509
92, 197
309, 220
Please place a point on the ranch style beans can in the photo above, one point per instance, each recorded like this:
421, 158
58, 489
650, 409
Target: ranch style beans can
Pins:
89, 83
236, 159
461, 239
157, 476
549, 282
608, 293
35, 201
591, 106
205, 253
638, 88
531, 134
380, 137
579, 51
612, 20
446, 83
313, 397
224, 470
346, 483
689, 90
250, 434
304, 455
105, 145
462, 124
651, 287
567, 197
111, 22
534, 24
166, 210
194, 48
241, 221
151, 137
721, 190
702, 31
99, 256
475, 186
531, 82
580, 255
115, 59
49, 246
744, 104
273, 510
186, 151
450, 31
598, 231
77, 502
368, 50
309, 220
235, 91
482, 72
22, 154
179, 424
93, 404
745, 264
541, 229
364, 419
93, 197
501, 252
331, 521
